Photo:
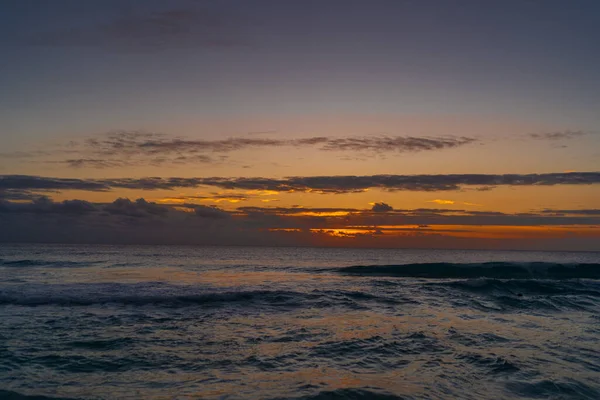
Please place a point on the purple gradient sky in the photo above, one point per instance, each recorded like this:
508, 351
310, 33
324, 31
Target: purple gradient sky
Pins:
492, 71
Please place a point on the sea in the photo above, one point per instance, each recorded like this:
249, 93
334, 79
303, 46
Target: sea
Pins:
154, 322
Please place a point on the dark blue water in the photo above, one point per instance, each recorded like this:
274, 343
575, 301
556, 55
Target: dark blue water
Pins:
103, 322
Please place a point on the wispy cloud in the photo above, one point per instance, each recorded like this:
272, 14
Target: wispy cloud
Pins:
213, 198
25, 154
560, 135
119, 149
570, 212
92, 163
156, 143
153, 143
222, 197
394, 143
440, 201
451, 202
161, 30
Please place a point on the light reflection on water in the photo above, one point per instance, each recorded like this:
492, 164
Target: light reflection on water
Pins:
159, 323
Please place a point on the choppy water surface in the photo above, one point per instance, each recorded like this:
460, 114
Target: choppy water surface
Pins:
101, 322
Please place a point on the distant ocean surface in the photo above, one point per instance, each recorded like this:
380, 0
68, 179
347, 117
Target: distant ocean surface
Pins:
151, 322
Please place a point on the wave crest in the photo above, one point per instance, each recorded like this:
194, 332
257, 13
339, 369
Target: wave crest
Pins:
80, 299
497, 270
350, 394
24, 263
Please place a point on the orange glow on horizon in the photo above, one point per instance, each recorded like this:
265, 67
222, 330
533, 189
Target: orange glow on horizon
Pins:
465, 231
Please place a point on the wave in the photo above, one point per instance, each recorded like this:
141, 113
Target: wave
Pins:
529, 286
531, 295
349, 394
10, 395
44, 263
339, 394
497, 270
82, 299
547, 389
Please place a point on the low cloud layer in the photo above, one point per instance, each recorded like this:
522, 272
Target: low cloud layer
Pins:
378, 213
316, 184
142, 222
384, 214
571, 212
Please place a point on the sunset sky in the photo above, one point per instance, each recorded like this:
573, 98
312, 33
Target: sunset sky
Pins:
400, 123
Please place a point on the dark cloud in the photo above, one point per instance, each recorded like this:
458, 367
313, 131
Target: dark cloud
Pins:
138, 209
163, 146
27, 182
44, 205
318, 184
152, 183
571, 212
349, 184
420, 228
161, 30
121, 222
297, 216
209, 212
558, 135
120, 207
18, 194
295, 210
214, 197
420, 216
381, 207
142, 222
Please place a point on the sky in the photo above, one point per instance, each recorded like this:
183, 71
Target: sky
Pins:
381, 123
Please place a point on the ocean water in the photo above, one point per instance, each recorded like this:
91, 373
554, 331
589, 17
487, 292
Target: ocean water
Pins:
110, 322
